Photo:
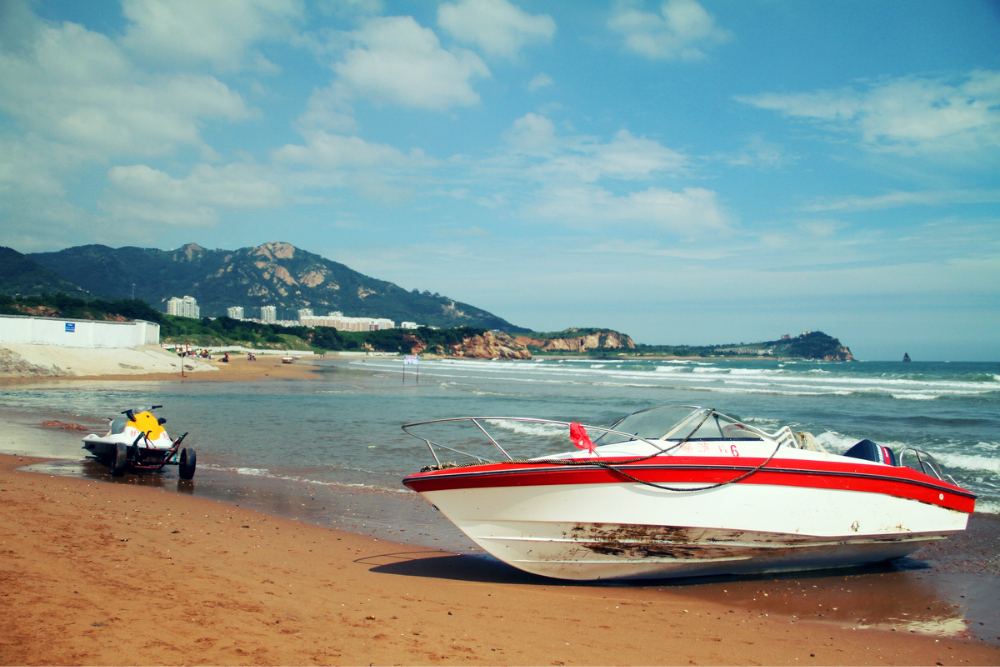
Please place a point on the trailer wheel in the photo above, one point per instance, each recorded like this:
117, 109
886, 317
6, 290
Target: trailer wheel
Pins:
119, 461
189, 461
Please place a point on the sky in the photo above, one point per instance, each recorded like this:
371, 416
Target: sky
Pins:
686, 173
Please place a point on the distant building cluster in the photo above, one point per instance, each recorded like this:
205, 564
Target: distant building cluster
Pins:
336, 319
186, 307
756, 351
342, 323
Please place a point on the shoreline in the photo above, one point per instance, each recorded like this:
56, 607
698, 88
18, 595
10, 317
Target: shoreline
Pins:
101, 573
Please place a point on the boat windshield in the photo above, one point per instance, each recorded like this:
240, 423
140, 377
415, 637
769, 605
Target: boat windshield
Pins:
651, 424
675, 422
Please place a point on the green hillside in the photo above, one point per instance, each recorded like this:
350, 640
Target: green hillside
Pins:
20, 274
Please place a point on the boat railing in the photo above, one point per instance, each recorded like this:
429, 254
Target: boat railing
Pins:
477, 421
785, 437
925, 463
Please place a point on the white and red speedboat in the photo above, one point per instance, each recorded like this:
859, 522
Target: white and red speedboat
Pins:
683, 491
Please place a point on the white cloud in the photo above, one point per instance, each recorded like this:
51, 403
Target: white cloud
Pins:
221, 33
75, 87
852, 204
680, 31
394, 60
624, 157
332, 152
906, 115
139, 193
31, 165
496, 26
543, 80
376, 171
691, 212
350, 8
532, 133
757, 152
820, 228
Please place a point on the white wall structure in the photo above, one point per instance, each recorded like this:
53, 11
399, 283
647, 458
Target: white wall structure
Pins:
235, 312
186, 307
268, 314
17, 329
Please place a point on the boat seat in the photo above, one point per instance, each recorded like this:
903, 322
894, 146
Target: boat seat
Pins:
866, 450
118, 426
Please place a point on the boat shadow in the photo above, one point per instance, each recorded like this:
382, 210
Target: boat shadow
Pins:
483, 568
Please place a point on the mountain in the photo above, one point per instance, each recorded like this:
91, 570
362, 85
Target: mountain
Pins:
275, 274
808, 345
20, 274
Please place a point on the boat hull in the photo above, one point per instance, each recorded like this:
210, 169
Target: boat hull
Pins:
597, 526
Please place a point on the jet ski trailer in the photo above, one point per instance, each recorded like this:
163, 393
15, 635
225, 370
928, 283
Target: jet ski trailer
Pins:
139, 441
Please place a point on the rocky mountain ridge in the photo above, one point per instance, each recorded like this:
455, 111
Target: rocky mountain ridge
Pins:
577, 340
276, 273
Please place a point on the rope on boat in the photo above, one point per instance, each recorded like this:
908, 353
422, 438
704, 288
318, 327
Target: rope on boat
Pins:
613, 467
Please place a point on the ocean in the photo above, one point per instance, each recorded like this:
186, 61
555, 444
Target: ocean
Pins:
344, 431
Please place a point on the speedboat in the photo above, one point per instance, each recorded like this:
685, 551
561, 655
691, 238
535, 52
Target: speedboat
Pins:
139, 441
683, 491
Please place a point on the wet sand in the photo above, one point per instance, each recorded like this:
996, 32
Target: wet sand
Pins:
102, 573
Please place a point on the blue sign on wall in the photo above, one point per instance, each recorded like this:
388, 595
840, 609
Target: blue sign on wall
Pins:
70, 327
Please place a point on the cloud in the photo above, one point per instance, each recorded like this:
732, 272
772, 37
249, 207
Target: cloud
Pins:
584, 159
376, 171
139, 193
904, 115
31, 165
759, 153
331, 152
496, 26
532, 133
691, 212
564, 171
541, 81
394, 60
75, 87
350, 8
220, 32
820, 228
853, 204
680, 31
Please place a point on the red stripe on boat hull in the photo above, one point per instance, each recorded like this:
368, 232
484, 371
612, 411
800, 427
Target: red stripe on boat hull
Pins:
900, 482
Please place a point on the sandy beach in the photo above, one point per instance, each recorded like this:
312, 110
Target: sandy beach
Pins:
99, 570
237, 369
100, 573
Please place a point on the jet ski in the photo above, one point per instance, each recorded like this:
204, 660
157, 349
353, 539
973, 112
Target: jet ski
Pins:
139, 441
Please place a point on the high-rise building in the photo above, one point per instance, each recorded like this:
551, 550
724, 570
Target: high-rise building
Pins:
305, 312
268, 314
235, 312
186, 307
